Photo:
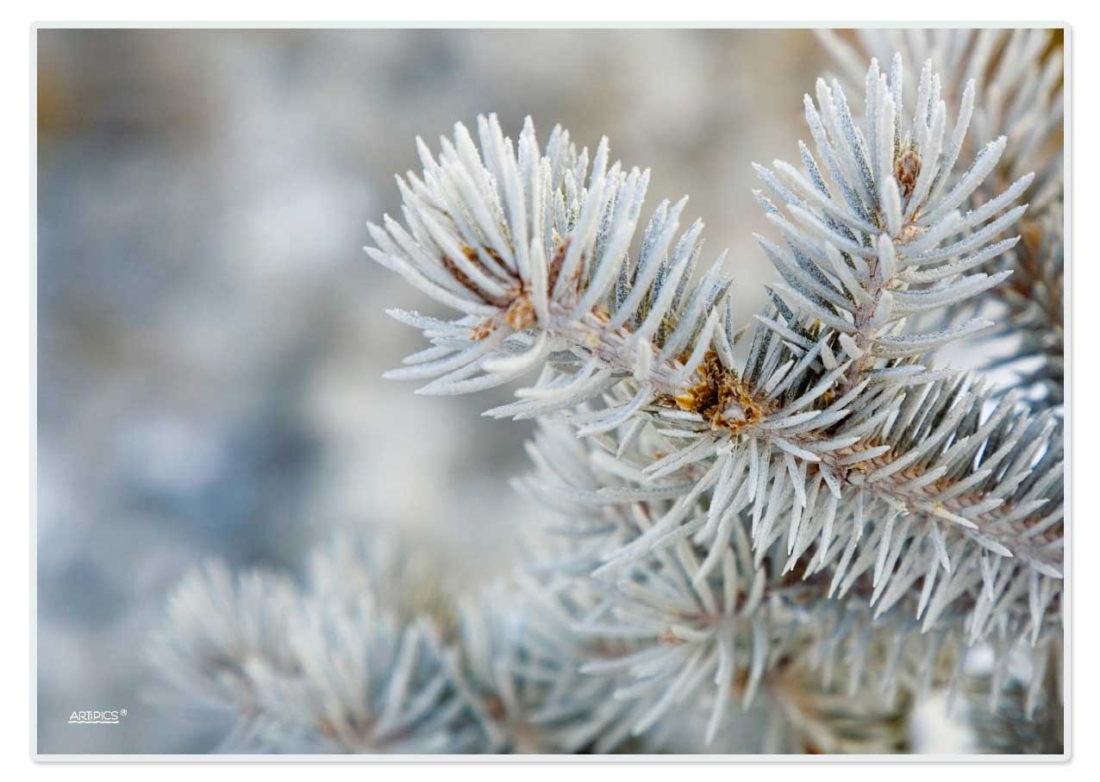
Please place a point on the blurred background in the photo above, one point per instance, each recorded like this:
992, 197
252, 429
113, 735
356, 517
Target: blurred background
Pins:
211, 336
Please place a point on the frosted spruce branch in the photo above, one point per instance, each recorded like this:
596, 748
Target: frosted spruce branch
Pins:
323, 666
637, 322
1019, 74
831, 425
368, 655
746, 507
887, 617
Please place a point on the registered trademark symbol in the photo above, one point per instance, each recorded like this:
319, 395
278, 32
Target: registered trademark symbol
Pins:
123, 712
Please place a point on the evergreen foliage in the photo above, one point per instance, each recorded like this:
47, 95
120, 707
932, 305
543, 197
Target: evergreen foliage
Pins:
800, 512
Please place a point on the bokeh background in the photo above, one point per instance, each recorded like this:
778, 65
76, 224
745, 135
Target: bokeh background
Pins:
211, 336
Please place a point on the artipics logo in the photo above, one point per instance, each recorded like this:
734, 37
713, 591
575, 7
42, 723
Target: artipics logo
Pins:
111, 717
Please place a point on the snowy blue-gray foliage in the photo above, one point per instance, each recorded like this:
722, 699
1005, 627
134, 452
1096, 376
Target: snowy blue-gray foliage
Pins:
831, 503
1018, 74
